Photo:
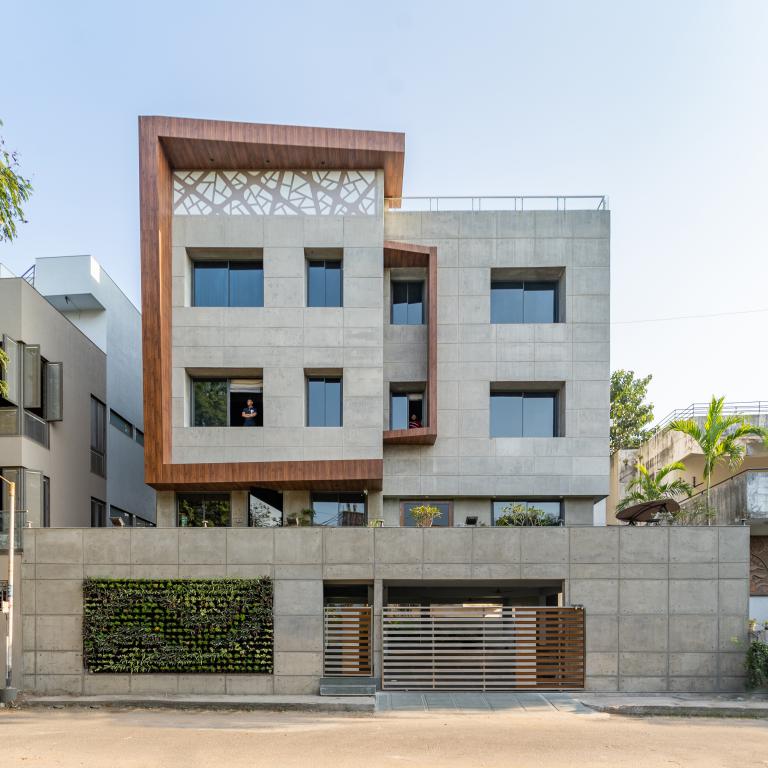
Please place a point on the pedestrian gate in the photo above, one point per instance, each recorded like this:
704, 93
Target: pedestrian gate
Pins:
347, 641
482, 647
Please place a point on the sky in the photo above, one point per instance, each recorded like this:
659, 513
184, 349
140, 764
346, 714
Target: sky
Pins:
662, 106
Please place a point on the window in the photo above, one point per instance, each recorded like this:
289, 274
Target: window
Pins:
203, 510
445, 520
524, 302
98, 513
407, 302
116, 420
324, 402
406, 410
140, 522
46, 520
227, 402
227, 284
324, 282
523, 414
119, 517
552, 509
98, 437
339, 509
139, 436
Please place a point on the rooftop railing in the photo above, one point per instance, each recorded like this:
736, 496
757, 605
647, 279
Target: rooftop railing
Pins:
700, 410
498, 203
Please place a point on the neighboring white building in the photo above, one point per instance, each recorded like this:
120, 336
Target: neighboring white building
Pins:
87, 296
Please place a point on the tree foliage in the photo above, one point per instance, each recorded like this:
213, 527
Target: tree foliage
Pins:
630, 413
3, 384
647, 486
14, 193
721, 438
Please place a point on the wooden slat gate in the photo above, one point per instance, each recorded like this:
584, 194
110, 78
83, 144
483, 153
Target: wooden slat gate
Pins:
347, 640
482, 648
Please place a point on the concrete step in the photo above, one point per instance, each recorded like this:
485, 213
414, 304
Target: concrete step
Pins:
348, 686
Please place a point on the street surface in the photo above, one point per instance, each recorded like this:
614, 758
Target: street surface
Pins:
106, 738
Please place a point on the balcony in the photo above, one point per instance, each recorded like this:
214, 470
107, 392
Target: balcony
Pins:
434, 203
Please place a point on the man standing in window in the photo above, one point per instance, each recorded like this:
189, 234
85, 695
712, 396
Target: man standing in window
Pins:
249, 414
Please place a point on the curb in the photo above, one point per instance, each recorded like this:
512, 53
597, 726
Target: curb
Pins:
661, 710
357, 707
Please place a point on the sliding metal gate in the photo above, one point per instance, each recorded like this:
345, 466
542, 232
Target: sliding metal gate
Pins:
455, 647
347, 641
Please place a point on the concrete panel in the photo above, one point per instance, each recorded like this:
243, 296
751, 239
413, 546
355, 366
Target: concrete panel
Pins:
733, 595
643, 596
59, 597
544, 545
602, 633
693, 596
447, 545
496, 545
59, 633
347, 545
596, 595
59, 545
733, 544
693, 664
693, 633
153, 545
643, 545
250, 684
298, 545
299, 633
642, 663
594, 545
202, 546
692, 545
403, 545
250, 545
298, 598
107, 545
298, 663
643, 633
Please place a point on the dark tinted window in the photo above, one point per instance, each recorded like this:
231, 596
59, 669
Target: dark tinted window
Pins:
523, 414
407, 302
443, 521
228, 284
209, 403
139, 437
98, 437
345, 509
98, 513
523, 302
324, 402
116, 420
407, 410
324, 283
198, 510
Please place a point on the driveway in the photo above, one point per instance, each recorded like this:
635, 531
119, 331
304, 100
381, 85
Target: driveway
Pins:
471, 702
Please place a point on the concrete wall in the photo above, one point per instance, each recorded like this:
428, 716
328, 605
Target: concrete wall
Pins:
283, 339
472, 353
72, 282
663, 605
26, 316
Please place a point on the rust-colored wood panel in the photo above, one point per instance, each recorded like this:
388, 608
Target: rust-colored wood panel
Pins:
758, 566
166, 143
400, 255
341, 475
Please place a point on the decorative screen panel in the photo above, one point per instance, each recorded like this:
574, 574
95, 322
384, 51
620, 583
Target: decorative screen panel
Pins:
290, 193
32, 383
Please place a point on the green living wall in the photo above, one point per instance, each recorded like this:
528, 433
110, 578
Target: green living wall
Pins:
178, 625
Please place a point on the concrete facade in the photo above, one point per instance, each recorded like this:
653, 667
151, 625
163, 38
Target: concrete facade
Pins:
27, 317
665, 608
84, 293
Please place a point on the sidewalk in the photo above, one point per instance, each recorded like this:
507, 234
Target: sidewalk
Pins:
354, 704
679, 704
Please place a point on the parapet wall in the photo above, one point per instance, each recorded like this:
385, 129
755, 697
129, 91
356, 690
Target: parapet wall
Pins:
665, 608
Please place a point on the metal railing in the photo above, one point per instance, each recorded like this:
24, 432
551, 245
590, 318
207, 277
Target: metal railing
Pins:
29, 276
700, 410
434, 203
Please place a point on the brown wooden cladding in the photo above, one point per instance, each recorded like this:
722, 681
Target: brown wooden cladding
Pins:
169, 143
465, 647
399, 255
347, 643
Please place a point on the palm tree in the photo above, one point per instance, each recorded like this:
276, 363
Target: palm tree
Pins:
649, 487
720, 439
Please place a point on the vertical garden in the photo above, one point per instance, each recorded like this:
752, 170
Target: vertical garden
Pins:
178, 625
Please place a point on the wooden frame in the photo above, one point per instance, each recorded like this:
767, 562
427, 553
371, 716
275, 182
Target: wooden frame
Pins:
397, 255
170, 143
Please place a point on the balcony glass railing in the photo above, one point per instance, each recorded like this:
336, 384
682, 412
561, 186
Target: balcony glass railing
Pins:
5, 522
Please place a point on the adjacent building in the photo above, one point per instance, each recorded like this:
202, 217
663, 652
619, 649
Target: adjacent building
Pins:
71, 427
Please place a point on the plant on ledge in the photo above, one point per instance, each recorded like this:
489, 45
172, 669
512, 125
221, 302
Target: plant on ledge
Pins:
520, 515
756, 665
303, 517
424, 515
652, 486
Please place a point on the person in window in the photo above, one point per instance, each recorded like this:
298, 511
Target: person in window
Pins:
249, 414
413, 422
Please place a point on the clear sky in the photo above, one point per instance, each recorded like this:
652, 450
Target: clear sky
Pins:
663, 106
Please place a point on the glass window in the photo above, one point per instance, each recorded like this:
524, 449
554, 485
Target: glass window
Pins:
203, 510
339, 509
117, 421
46, 521
209, 284
552, 509
324, 407
209, 403
407, 302
444, 520
119, 518
98, 437
246, 284
523, 414
140, 522
324, 283
523, 302
139, 436
228, 284
407, 410
98, 513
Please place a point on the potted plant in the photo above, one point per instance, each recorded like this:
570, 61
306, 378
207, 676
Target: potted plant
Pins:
303, 517
424, 514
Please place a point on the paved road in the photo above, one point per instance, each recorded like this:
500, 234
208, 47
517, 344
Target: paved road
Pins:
518, 738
